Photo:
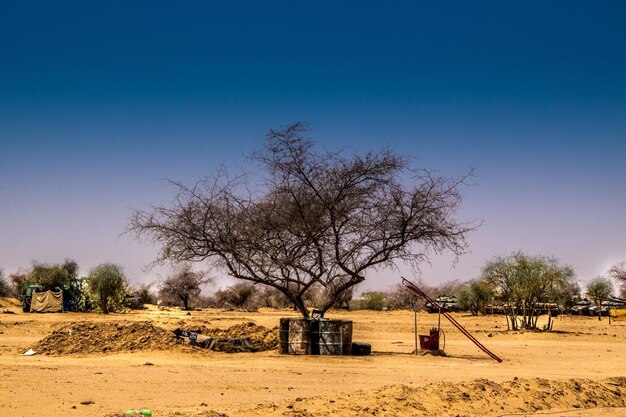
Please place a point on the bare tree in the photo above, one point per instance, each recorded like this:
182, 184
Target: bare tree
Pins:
618, 273
315, 218
184, 284
599, 289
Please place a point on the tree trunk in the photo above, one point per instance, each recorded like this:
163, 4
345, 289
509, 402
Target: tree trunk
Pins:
185, 301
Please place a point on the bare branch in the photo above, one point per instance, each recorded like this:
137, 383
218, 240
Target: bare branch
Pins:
322, 219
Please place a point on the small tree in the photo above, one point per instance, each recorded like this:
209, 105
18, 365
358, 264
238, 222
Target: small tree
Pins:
184, 284
523, 281
236, 296
618, 273
475, 296
17, 281
312, 219
400, 297
145, 293
599, 289
4, 286
371, 300
55, 277
108, 285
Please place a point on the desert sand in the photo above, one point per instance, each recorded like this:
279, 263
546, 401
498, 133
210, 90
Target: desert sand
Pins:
579, 369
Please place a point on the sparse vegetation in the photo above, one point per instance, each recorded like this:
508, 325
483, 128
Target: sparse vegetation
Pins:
618, 273
522, 282
108, 285
183, 285
238, 296
4, 286
146, 294
475, 296
599, 289
371, 300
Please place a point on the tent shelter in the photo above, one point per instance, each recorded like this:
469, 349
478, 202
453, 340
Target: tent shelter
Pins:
47, 302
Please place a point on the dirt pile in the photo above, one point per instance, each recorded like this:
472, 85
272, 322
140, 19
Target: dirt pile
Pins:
261, 337
480, 397
87, 337
9, 303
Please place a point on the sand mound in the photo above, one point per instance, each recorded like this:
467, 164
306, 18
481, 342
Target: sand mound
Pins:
261, 337
477, 398
10, 302
107, 337
89, 338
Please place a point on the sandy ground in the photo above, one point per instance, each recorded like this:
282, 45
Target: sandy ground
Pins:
573, 371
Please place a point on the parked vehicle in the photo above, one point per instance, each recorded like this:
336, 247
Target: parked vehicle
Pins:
444, 302
27, 295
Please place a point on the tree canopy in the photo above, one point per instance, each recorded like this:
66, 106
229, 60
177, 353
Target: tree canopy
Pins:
310, 218
618, 273
108, 284
599, 289
524, 281
51, 277
183, 285
4, 286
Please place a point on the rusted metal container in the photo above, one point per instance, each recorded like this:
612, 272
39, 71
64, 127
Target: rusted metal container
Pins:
335, 337
295, 336
306, 336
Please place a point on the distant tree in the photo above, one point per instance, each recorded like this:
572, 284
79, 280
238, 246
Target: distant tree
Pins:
55, 277
50, 277
475, 296
448, 288
569, 295
371, 300
236, 296
17, 281
599, 289
618, 273
108, 285
401, 298
270, 297
184, 284
523, 281
145, 293
313, 218
4, 286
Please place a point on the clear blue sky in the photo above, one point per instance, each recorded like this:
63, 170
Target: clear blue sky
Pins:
100, 101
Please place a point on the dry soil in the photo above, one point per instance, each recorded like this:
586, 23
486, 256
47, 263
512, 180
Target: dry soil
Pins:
97, 365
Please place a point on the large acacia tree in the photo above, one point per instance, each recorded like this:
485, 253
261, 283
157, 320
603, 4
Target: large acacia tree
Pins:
309, 218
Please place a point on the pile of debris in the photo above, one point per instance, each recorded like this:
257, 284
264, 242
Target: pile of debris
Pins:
89, 338
86, 337
246, 337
